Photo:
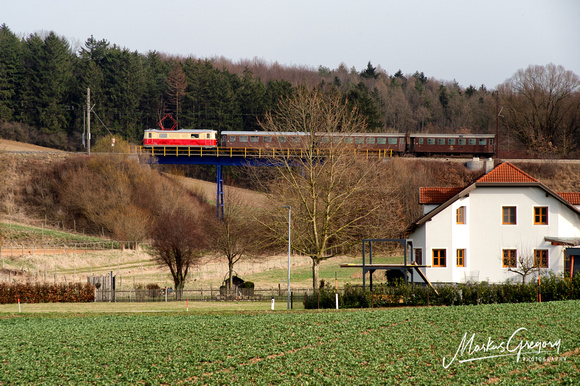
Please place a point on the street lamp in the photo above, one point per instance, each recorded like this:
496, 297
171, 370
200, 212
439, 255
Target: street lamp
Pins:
289, 217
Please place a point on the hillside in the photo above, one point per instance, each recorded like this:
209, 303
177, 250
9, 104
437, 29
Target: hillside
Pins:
8, 145
22, 245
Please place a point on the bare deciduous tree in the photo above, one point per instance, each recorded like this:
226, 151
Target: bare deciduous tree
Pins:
232, 235
336, 196
178, 241
526, 265
177, 83
542, 108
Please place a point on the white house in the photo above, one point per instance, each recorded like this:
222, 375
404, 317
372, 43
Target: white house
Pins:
478, 232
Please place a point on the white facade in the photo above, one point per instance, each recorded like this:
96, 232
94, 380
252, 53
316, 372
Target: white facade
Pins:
484, 236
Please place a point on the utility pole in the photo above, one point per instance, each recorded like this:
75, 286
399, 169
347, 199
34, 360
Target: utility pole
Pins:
88, 120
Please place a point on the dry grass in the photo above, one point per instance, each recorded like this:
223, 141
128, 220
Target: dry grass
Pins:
208, 190
8, 145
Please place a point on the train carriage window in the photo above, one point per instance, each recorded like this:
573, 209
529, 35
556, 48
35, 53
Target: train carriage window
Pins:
149, 135
440, 141
281, 139
232, 138
382, 140
371, 140
254, 138
348, 140
472, 141
359, 140
325, 140
337, 139
402, 141
461, 141
295, 139
451, 141
392, 141
483, 141
163, 135
430, 141
207, 136
243, 138
420, 141
267, 139
194, 135
491, 142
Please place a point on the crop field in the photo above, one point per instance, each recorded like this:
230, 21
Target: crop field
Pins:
526, 343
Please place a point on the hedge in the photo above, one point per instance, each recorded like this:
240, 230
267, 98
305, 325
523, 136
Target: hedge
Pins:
46, 293
400, 294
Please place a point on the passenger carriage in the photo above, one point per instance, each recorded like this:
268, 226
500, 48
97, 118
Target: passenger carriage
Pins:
422, 144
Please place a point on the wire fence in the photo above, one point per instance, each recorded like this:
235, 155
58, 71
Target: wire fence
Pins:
56, 249
200, 295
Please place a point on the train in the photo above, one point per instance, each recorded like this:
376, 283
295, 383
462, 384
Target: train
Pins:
402, 144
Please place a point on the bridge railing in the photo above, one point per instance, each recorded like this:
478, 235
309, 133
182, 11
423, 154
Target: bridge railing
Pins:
248, 152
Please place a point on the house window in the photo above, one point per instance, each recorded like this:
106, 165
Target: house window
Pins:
419, 256
540, 258
460, 215
540, 215
439, 258
508, 215
460, 257
509, 258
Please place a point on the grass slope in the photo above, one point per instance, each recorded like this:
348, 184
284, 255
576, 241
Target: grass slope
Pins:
386, 346
136, 267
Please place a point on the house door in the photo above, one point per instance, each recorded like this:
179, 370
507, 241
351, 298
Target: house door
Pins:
572, 262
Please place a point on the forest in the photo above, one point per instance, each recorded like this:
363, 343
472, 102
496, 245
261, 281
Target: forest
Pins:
44, 81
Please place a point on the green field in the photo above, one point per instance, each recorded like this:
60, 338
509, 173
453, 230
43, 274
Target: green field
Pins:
127, 344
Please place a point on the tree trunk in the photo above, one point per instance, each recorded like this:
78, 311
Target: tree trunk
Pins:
230, 272
179, 288
315, 269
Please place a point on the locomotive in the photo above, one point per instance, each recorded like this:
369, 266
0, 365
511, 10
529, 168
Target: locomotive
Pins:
410, 144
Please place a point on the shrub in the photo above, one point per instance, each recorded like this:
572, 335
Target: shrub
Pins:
46, 293
400, 294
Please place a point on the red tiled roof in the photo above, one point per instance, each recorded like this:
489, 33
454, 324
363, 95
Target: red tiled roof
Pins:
507, 172
572, 198
436, 195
